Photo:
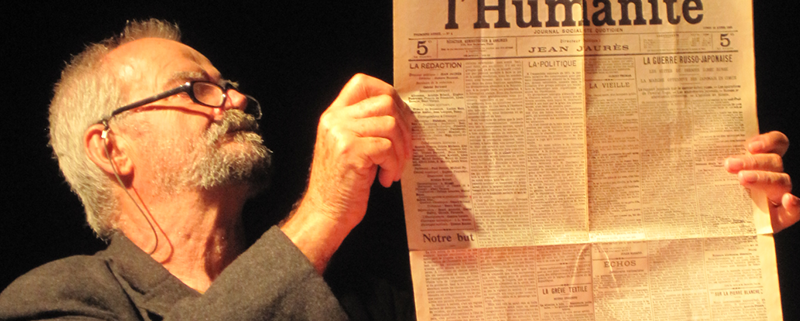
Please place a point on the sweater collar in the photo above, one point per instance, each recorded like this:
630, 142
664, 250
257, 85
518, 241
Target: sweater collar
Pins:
149, 285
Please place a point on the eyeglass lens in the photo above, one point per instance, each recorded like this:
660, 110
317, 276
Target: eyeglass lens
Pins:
208, 94
214, 96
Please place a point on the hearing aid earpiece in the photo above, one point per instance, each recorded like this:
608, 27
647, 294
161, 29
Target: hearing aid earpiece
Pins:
104, 135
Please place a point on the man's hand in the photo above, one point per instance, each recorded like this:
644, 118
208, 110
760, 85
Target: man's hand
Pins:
762, 169
366, 128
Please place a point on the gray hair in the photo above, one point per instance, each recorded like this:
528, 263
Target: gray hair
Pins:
86, 93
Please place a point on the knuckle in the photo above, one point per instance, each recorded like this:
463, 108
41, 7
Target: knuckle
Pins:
785, 180
779, 137
359, 79
381, 105
383, 145
749, 161
340, 134
777, 140
780, 179
385, 102
326, 120
343, 145
390, 122
777, 162
360, 163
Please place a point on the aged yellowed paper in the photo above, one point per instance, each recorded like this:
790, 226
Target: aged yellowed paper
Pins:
568, 160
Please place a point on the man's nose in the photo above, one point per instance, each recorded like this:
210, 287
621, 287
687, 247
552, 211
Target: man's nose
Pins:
236, 100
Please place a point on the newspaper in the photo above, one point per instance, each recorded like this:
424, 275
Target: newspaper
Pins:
568, 160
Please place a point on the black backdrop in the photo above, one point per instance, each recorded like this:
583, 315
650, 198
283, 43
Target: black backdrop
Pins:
294, 56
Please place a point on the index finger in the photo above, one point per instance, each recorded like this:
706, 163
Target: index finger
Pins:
772, 142
361, 87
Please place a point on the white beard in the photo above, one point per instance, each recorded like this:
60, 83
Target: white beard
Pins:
229, 152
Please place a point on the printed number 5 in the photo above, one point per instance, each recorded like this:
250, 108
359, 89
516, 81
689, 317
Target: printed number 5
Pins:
724, 40
421, 48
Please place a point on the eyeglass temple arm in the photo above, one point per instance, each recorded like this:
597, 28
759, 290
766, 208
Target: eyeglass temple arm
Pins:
150, 99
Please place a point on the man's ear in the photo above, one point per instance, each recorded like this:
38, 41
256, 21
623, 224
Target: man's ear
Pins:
105, 151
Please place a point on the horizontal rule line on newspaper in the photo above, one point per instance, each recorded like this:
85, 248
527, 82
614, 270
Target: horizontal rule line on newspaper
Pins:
578, 55
627, 33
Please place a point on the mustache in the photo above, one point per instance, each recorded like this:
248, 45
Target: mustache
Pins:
232, 121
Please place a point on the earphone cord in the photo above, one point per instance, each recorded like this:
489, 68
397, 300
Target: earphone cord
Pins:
114, 168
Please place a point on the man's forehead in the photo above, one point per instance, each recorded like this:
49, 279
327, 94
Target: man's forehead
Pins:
151, 48
160, 62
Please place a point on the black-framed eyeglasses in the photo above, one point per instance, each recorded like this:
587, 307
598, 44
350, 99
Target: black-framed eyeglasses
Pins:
203, 93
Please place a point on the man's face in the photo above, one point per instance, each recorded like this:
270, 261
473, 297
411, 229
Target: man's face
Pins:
178, 148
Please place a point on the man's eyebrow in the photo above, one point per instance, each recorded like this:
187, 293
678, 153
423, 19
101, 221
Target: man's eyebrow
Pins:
184, 76
180, 77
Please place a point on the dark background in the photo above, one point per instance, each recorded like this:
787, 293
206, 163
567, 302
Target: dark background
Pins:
294, 56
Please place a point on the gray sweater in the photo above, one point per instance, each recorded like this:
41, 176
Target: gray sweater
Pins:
272, 280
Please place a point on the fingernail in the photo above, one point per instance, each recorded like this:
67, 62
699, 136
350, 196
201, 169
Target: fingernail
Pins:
734, 164
748, 177
756, 146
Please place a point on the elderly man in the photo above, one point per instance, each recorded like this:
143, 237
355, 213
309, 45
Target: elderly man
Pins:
162, 151
164, 178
